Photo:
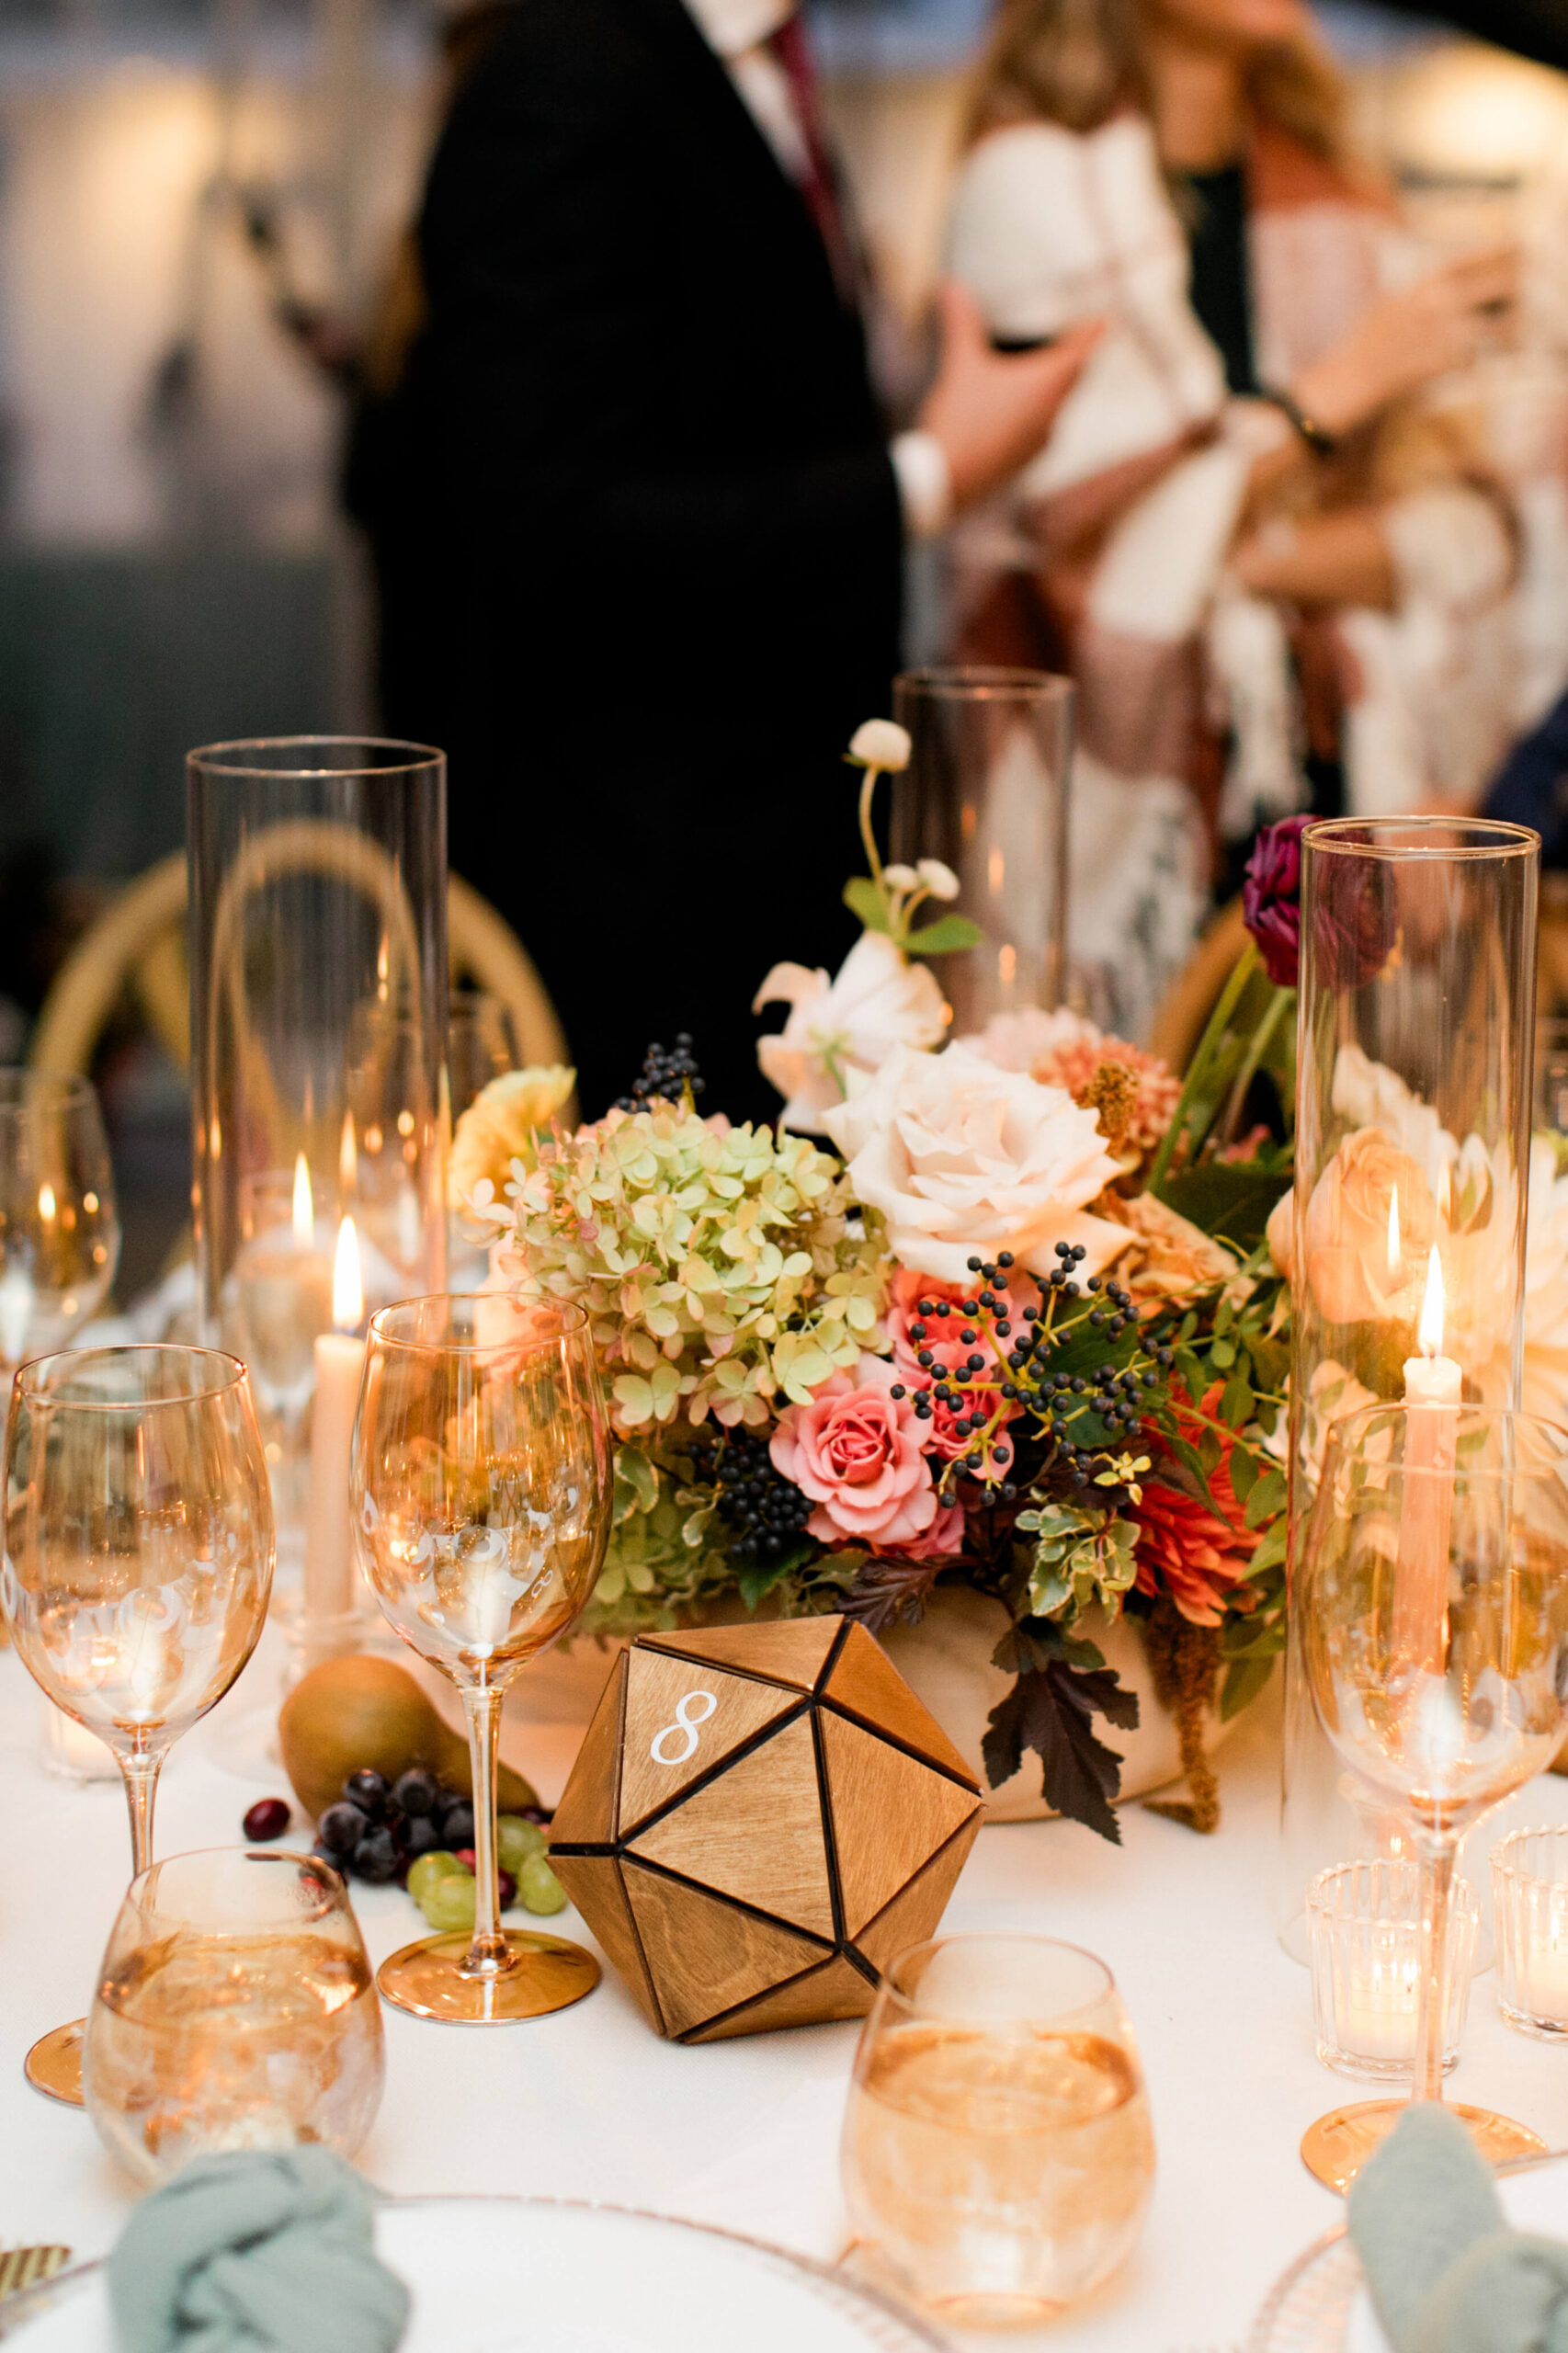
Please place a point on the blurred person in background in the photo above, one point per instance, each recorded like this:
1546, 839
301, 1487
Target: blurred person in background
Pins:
1279, 578
637, 521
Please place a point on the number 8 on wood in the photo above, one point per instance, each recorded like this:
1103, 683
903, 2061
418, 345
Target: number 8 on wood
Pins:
685, 1724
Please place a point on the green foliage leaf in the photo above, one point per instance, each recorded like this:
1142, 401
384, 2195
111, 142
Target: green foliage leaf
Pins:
943, 936
864, 899
1266, 1499
1243, 1680
754, 1583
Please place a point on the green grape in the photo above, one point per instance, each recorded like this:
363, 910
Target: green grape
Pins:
429, 1871
516, 1840
449, 1905
538, 1887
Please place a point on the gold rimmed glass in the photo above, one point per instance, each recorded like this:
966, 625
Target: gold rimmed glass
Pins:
1435, 1611
138, 1561
479, 1491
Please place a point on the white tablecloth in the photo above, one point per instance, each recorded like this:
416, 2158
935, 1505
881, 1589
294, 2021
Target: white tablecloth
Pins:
590, 2103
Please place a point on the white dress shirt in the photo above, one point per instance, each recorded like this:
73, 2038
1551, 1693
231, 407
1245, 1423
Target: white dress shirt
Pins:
738, 31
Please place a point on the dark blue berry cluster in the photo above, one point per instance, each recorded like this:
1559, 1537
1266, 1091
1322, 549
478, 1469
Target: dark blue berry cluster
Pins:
666, 1076
1019, 1344
765, 1512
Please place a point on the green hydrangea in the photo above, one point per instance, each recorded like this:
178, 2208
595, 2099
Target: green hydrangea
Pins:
722, 1270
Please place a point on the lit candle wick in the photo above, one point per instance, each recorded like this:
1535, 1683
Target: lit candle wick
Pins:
304, 1209
1430, 1331
347, 1282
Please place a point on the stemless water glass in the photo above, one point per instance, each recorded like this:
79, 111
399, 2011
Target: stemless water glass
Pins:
1433, 1613
479, 1491
997, 2153
59, 1231
138, 1561
236, 2009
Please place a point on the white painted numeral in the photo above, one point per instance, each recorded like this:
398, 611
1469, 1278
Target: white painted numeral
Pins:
685, 1724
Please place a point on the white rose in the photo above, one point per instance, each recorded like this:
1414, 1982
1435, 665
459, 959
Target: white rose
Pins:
881, 743
846, 1025
965, 1160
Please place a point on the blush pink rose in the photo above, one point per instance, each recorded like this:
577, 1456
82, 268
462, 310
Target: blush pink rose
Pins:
856, 1451
943, 1540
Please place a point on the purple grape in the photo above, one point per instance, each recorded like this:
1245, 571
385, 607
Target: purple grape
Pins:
417, 1792
375, 1858
369, 1790
341, 1827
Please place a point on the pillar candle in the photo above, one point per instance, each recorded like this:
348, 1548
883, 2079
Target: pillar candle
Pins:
340, 1360
1434, 1383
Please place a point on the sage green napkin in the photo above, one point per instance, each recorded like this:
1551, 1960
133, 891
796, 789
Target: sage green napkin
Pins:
253, 2254
1447, 2274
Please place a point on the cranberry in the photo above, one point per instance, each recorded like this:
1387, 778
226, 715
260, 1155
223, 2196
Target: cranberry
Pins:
508, 1889
268, 1818
466, 1855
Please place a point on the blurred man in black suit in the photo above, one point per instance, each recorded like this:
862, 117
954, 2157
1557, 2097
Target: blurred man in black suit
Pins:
638, 523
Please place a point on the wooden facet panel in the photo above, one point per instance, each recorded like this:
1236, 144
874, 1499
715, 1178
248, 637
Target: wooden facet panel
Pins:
914, 1913
670, 1733
836, 1990
756, 1832
592, 1881
706, 1955
585, 1815
793, 1652
890, 1816
865, 1680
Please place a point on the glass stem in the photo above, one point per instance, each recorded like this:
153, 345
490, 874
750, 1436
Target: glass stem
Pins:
489, 1953
140, 1773
1432, 2008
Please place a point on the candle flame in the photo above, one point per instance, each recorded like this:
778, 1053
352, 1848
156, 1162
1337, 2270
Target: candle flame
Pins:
304, 1211
46, 1203
1393, 1232
1430, 1331
348, 1160
347, 1283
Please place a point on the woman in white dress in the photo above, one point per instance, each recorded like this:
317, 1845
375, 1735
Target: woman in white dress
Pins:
1277, 572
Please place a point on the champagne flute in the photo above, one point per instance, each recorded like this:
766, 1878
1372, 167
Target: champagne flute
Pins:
59, 1230
1435, 1631
480, 1494
137, 1565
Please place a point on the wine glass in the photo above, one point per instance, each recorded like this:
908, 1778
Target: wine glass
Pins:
59, 1230
998, 2154
480, 1495
1435, 1632
137, 1565
236, 2009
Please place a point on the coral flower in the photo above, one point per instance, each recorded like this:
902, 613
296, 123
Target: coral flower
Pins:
857, 1451
1184, 1550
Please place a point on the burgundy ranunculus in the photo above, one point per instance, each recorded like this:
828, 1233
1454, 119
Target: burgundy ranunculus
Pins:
1271, 899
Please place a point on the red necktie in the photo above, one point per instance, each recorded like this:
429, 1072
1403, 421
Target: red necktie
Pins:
818, 187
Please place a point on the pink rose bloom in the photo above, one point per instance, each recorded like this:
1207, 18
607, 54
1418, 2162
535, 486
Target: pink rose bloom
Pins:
982, 1394
943, 1540
857, 1452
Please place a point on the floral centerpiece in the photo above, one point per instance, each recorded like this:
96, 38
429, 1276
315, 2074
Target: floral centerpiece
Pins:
1012, 1322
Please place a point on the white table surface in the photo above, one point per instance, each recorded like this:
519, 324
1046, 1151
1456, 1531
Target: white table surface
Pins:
590, 2103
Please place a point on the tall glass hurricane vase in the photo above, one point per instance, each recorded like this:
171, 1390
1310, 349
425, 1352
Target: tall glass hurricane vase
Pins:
319, 996
481, 1495
1406, 1234
986, 791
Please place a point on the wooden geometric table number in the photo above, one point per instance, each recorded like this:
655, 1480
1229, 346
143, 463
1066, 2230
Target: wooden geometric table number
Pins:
758, 1820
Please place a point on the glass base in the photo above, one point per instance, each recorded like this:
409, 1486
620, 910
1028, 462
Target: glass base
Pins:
547, 1973
1336, 2148
53, 2066
1375, 2071
1527, 2022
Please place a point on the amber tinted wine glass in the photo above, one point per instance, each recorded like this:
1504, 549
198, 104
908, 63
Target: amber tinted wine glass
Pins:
480, 1492
138, 1561
1433, 1617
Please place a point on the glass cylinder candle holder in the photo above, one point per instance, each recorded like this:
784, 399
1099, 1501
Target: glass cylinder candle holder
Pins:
320, 1109
1406, 1236
1366, 1952
1529, 1902
1551, 1117
986, 791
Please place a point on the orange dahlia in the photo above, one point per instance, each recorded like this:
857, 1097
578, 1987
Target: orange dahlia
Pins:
1184, 1548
